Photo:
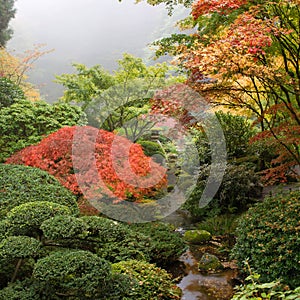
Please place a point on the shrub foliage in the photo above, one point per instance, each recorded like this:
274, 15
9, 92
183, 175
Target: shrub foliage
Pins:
154, 283
22, 184
268, 237
239, 189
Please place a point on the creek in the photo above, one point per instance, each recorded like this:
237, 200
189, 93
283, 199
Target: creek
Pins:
194, 284
211, 286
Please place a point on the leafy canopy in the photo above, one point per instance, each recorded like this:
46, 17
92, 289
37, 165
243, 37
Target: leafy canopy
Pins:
117, 100
254, 72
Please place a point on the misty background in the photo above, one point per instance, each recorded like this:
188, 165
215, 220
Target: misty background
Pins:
85, 31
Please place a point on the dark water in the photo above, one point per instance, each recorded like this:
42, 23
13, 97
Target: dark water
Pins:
85, 31
196, 286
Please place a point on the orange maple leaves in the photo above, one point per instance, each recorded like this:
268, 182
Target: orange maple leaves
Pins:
202, 7
90, 161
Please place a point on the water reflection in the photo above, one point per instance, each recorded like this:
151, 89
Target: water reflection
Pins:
205, 287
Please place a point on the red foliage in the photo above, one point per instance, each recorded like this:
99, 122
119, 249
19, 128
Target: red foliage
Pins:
87, 160
284, 140
241, 34
202, 7
179, 102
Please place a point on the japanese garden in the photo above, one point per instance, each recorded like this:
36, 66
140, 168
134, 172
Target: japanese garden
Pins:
175, 177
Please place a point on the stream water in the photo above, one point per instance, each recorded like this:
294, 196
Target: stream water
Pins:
195, 285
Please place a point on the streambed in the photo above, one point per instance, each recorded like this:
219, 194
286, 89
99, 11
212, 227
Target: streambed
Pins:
211, 286
194, 284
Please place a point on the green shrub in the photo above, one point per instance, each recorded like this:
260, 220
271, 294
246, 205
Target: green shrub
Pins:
63, 227
132, 246
26, 219
239, 189
151, 148
22, 184
115, 241
111, 240
219, 225
31, 289
154, 283
73, 273
164, 246
268, 237
237, 131
25, 123
9, 92
27, 290
19, 247
254, 290
104, 229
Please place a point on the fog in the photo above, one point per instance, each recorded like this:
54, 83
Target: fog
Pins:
85, 31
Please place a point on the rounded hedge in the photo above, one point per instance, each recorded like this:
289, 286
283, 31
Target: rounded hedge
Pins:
268, 237
19, 247
154, 283
63, 227
26, 219
76, 272
165, 245
22, 184
151, 148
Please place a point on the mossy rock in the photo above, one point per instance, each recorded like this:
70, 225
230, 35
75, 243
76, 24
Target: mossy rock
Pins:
197, 236
209, 262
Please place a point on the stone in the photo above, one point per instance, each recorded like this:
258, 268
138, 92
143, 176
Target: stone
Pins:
197, 236
209, 262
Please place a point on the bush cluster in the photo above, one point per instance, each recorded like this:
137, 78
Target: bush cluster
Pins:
268, 237
48, 251
72, 256
153, 283
9, 92
165, 246
239, 189
22, 184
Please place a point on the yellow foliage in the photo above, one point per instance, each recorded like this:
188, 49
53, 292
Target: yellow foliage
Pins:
15, 68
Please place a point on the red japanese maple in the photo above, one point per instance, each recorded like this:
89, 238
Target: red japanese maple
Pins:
179, 102
88, 161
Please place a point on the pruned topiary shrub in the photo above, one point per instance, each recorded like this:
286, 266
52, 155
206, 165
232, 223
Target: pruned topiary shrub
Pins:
154, 283
22, 184
27, 218
268, 237
165, 245
25, 290
73, 273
